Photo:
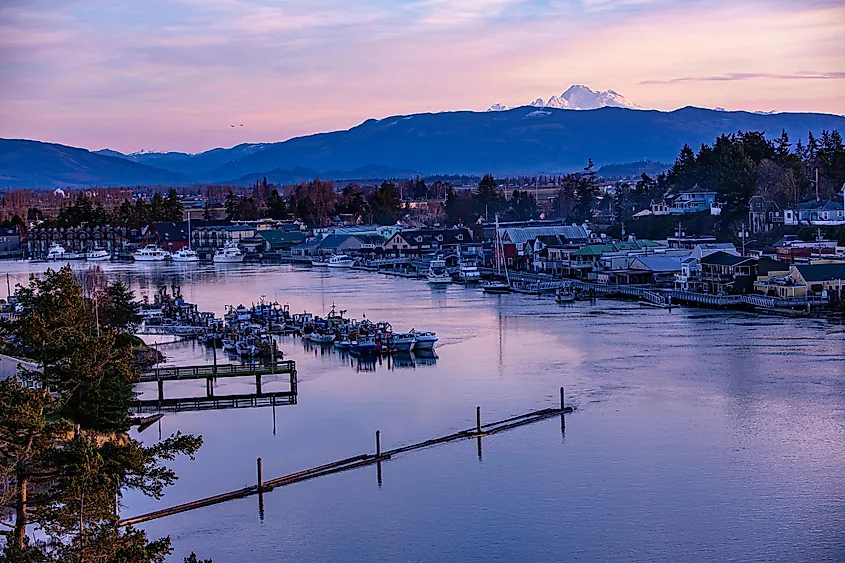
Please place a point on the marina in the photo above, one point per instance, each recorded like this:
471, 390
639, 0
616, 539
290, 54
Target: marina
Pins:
663, 400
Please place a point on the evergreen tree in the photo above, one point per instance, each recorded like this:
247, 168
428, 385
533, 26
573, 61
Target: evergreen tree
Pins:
385, 204
522, 206
487, 197
276, 207
231, 205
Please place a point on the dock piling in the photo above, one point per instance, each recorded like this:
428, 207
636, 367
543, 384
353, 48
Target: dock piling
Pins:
260, 468
478, 419
562, 404
378, 444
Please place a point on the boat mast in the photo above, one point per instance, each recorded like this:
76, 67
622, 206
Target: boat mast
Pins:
189, 229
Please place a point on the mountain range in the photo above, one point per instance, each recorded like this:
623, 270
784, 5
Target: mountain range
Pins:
525, 140
579, 97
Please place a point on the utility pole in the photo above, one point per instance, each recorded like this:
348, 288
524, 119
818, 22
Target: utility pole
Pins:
817, 183
743, 238
8, 287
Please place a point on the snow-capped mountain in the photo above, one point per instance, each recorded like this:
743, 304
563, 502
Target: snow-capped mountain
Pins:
579, 97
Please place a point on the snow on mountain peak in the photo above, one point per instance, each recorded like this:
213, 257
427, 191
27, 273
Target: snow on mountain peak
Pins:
579, 96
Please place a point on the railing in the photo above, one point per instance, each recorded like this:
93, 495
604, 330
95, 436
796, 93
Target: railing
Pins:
222, 370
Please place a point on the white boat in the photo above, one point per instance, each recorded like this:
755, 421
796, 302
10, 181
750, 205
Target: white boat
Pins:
185, 255
150, 253
564, 296
343, 343
403, 342
229, 254
319, 262
469, 273
320, 337
437, 273
424, 340
246, 348
56, 252
97, 255
340, 261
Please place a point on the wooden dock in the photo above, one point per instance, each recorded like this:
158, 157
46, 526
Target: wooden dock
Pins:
210, 372
478, 432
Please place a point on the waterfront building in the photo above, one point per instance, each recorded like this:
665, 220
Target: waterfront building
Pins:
423, 241
688, 278
80, 239
206, 239
726, 274
10, 243
168, 235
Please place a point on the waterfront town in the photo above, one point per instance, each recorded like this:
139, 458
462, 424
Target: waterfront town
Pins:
769, 256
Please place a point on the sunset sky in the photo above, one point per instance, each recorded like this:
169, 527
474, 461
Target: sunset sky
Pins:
175, 74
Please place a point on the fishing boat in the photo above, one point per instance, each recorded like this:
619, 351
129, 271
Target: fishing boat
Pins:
342, 343
229, 254
246, 348
363, 345
319, 262
321, 337
56, 252
340, 261
150, 253
403, 342
424, 340
564, 296
437, 273
498, 286
230, 345
97, 255
185, 255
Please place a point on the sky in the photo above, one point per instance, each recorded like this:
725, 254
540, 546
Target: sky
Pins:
177, 74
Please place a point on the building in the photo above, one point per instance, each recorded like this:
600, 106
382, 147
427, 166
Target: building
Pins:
332, 244
421, 241
820, 277
169, 235
689, 278
275, 240
662, 269
693, 200
763, 214
80, 239
726, 274
10, 243
206, 239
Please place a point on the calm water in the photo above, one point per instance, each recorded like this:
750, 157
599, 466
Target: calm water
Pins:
697, 436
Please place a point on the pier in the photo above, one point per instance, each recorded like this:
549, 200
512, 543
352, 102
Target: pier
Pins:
211, 401
477, 432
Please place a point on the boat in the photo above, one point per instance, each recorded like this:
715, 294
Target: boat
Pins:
469, 273
498, 286
97, 255
403, 342
150, 253
564, 296
229, 254
340, 261
56, 252
424, 340
319, 262
364, 344
437, 273
246, 347
320, 337
342, 343
185, 255
230, 345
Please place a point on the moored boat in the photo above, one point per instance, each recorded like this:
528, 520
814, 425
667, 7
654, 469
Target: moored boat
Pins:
437, 273
469, 273
185, 255
403, 342
564, 296
229, 254
495, 287
97, 255
340, 261
424, 340
56, 252
150, 253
